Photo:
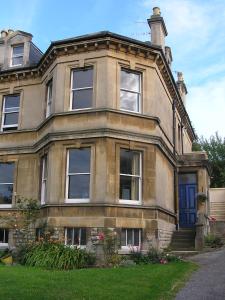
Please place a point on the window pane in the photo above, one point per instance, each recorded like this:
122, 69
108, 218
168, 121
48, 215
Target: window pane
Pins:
129, 101
11, 118
83, 240
76, 236
82, 78
79, 160
4, 235
123, 237
79, 187
82, 99
49, 86
17, 61
129, 162
130, 81
136, 237
12, 101
129, 237
44, 165
6, 172
129, 188
69, 240
18, 50
6, 191
190, 178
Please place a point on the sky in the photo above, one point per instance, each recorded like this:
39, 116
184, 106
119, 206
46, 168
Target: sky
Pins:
195, 33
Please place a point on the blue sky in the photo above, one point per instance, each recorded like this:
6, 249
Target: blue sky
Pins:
196, 35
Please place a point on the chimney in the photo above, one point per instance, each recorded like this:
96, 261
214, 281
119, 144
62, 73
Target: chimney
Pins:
4, 33
181, 87
158, 28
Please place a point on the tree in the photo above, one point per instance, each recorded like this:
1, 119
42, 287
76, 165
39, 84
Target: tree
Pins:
215, 148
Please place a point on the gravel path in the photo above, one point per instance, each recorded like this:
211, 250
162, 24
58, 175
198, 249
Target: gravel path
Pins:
208, 283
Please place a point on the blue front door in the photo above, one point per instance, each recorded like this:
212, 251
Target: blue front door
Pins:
187, 204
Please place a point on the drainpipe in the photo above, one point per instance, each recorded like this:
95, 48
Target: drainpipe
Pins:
175, 169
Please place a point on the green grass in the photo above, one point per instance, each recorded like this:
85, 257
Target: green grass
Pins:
139, 282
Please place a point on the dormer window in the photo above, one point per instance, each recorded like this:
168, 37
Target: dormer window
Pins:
17, 55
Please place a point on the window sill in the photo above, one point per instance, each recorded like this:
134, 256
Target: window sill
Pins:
131, 202
129, 249
77, 200
5, 206
131, 111
76, 246
4, 245
78, 109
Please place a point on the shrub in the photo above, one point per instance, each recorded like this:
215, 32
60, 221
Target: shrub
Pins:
213, 241
54, 255
139, 258
172, 258
154, 256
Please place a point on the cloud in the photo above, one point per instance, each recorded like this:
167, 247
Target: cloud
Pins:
197, 39
206, 105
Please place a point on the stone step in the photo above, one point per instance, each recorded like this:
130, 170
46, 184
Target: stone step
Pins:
184, 253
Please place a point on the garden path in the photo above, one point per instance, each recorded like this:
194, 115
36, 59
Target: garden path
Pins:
208, 283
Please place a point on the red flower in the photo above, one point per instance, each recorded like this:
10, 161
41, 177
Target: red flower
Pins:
101, 236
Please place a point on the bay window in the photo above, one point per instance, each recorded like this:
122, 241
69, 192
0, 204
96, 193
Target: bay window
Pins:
49, 99
82, 88
75, 236
78, 175
130, 237
4, 236
130, 175
10, 112
44, 173
6, 183
130, 91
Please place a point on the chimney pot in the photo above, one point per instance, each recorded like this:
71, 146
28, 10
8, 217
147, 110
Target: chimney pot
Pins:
4, 33
156, 11
180, 76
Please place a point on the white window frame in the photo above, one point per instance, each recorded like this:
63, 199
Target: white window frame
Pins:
129, 247
79, 89
138, 201
75, 245
3, 244
11, 183
12, 110
49, 99
16, 55
139, 93
44, 177
76, 200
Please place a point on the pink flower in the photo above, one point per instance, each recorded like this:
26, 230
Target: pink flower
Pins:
101, 236
163, 261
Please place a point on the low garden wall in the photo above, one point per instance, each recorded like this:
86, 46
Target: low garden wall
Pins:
217, 211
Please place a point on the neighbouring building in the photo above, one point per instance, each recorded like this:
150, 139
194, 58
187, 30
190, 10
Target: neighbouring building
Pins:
96, 129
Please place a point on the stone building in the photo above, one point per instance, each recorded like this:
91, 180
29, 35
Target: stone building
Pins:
96, 129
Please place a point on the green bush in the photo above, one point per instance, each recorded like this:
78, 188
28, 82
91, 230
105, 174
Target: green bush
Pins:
213, 241
139, 258
153, 256
54, 255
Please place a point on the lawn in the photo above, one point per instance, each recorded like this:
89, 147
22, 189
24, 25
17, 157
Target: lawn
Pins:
139, 282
